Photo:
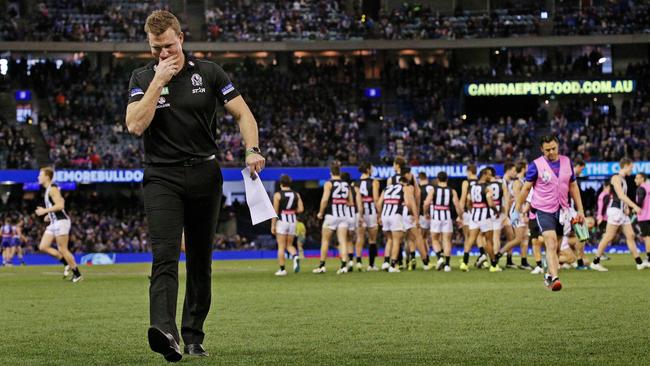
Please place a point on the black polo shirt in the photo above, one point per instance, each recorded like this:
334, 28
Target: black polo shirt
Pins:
184, 125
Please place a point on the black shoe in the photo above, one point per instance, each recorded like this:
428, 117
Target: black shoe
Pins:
165, 344
195, 349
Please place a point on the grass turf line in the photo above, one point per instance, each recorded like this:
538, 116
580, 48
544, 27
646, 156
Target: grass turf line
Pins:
355, 319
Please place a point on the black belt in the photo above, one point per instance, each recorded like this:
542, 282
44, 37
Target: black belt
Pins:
188, 162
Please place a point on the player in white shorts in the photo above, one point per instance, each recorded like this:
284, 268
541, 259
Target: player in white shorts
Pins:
391, 205
438, 204
483, 206
425, 222
517, 225
425, 188
414, 234
465, 202
334, 212
352, 225
59, 225
287, 204
410, 219
618, 217
499, 190
367, 197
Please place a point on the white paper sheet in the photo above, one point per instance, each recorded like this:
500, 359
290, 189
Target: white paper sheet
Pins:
258, 201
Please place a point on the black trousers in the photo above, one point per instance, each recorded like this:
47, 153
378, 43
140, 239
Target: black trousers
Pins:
178, 198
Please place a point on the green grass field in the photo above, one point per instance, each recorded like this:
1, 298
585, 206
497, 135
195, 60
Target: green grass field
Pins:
409, 318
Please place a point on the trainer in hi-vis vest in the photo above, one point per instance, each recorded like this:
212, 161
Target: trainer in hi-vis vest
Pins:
553, 179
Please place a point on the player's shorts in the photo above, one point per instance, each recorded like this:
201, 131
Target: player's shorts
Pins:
6, 243
549, 222
467, 218
533, 229
285, 228
392, 222
616, 216
519, 222
409, 223
58, 228
369, 221
424, 223
15, 242
442, 226
352, 225
645, 228
483, 225
497, 222
335, 222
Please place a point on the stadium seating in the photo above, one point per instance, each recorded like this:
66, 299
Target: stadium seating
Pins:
233, 21
85, 129
617, 17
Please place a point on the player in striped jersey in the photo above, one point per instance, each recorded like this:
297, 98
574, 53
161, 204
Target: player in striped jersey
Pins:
413, 235
438, 203
465, 202
483, 206
392, 204
425, 223
59, 227
335, 215
367, 197
287, 203
618, 217
499, 192
400, 167
352, 225
517, 225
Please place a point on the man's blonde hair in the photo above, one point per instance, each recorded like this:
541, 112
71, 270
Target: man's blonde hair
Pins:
161, 20
48, 171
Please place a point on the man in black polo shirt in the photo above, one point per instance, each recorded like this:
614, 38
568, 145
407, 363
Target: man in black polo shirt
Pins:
172, 103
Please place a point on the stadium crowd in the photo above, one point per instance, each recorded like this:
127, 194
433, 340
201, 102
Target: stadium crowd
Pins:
614, 17
15, 147
328, 20
243, 21
594, 132
80, 21
82, 121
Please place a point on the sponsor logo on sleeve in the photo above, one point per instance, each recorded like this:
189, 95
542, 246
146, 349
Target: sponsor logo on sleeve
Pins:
227, 89
135, 91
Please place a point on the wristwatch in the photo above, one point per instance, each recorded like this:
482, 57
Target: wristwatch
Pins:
253, 150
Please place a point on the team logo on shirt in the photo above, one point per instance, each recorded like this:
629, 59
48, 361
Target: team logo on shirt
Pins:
546, 176
197, 80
